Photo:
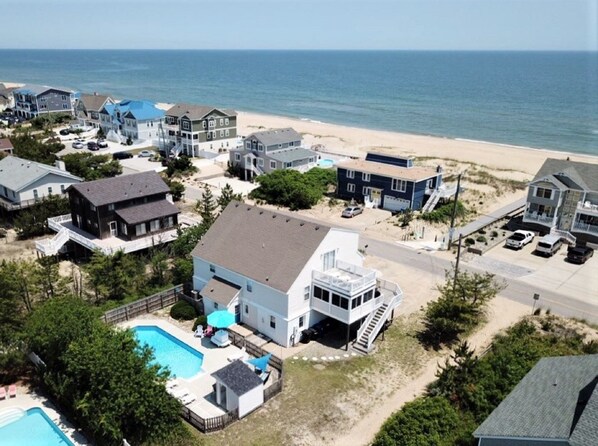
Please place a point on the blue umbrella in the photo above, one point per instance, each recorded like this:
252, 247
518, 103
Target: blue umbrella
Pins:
261, 363
221, 319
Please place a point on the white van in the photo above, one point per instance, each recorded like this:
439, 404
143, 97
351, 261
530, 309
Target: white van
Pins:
548, 245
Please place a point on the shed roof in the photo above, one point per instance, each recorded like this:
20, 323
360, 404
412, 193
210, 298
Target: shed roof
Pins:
147, 211
125, 187
292, 154
17, 173
276, 136
550, 402
220, 290
584, 175
388, 170
238, 377
262, 245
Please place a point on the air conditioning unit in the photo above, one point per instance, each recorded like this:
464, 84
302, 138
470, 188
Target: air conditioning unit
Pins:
195, 294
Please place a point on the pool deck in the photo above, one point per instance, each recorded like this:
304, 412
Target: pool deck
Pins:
28, 399
214, 358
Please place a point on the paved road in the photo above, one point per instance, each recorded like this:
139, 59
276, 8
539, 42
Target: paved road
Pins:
516, 290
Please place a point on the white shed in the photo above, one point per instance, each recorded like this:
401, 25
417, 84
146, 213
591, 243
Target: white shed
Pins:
238, 387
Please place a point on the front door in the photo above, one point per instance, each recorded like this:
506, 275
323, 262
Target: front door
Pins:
375, 195
113, 231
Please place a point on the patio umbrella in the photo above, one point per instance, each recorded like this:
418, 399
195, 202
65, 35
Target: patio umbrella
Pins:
221, 319
260, 363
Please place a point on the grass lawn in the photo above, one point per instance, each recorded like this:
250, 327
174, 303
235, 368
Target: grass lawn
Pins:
319, 399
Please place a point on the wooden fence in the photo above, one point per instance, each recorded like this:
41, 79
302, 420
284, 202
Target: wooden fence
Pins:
143, 306
207, 425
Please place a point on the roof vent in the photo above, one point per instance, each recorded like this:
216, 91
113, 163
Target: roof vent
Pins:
274, 216
288, 220
267, 279
317, 227
261, 212
301, 224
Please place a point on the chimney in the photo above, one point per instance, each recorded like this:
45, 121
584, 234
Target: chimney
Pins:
60, 165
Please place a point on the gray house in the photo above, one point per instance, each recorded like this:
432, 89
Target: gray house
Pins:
555, 404
200, 130
34, 100
88, 108
563, 199
264, 152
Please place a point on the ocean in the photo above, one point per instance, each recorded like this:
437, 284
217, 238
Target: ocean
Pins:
534, 99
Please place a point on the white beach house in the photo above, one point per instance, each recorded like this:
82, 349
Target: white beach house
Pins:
281, 275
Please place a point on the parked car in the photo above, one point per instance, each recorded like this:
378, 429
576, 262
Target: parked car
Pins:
352, 211
65, 132
78, 145
93, 146
146, 154
579, 254
519, 239
548, 245
102, 144
122, 155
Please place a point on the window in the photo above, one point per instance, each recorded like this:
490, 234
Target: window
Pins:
63, 97
292, 143
92, 207
221, 122
260, 147
227, 132
169, 222
272, 322
288, 165
124, 229
543, 192
65, 106
429, 183
344, 303
280, 146
249, 286
365, 177
49, 189
221, 133
356, 302
140, 229
186, 125
350, 174
215, 305
272, 164
310, 159
368, 296
306, 293
301, 321
398, 185
326, 295
350, 187
336, 300
237, 157
248, 145
62, 189
154, 225
260, 162
203, 124
246, 309
212, 269
328, 260
366, 191
111, 207
225, 121
212, 124
317, 292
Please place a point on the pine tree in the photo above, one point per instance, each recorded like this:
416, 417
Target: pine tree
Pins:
228, 195
206, 207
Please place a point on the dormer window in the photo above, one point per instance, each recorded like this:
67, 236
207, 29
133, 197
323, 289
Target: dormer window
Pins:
542, 192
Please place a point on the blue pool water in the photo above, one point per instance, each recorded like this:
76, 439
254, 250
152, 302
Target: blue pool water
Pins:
182, 360
33, 429
326, 162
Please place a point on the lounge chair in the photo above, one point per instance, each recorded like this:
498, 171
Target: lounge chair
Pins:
187, 399
264, 376
12, 391
199, 332
2, 393
241, 354
209, 331
171, 384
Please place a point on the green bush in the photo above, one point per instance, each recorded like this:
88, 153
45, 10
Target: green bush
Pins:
494, 234
480, 239
183, 311
201, 320
469, 241
443, 213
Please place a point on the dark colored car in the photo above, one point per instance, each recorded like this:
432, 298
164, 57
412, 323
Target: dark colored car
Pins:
579, 254
122, 155
65, 132
93, 146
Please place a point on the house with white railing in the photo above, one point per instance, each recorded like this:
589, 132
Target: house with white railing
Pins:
282, 275
563, 199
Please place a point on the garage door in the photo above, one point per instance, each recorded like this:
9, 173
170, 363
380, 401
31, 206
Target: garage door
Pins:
395, 204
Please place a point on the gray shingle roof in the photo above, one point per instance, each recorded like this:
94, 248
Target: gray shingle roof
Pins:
220, 290
93, 102
265, 246
544, 403
147, 211
238, 377
17, 173
584, 174
276, 136
39, 89
195, 112
293, 154
586, 429
126, 187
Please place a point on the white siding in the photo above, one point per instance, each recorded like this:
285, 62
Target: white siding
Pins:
52, 180
251, 401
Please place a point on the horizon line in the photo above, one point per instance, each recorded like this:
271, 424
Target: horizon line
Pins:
313, 49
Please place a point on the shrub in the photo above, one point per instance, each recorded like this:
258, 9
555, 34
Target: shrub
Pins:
469, 241
494, 234
480, 239
183, 310
481, 231
537, 311
443, 213
201, 320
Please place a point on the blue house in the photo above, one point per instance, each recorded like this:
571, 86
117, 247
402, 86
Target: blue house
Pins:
387, 182
138, 120
34, 100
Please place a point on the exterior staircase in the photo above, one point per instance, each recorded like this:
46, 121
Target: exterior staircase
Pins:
564, 235
432, 201
52, 246
374, 323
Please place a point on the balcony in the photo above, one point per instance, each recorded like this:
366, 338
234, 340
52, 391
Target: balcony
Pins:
63, 224
543, 219
587, 208
579, 226
345, 278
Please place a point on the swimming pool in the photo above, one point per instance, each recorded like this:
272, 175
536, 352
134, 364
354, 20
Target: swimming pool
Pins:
182, 360
326, 162
32, 428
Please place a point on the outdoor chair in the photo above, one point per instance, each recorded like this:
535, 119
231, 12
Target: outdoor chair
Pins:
12, 391
209, 331
2, 393
199, 333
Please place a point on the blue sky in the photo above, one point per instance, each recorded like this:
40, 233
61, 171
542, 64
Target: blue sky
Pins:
301, 24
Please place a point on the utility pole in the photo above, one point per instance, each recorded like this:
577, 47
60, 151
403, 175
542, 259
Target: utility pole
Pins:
536, 298
457, 262
452, 228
